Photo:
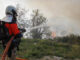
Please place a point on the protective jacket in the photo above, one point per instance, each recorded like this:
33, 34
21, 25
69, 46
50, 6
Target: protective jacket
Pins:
13, 30
11, 25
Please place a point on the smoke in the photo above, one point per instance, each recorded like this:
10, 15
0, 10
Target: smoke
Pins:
64, 26
56, 8
63, 15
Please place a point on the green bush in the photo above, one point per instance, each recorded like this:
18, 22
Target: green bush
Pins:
31, 48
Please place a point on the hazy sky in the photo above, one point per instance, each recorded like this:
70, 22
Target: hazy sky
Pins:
63, 15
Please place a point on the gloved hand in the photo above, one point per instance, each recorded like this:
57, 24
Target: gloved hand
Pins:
18, 36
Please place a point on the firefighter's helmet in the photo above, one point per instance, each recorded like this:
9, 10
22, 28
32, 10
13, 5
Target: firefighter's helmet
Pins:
11, 10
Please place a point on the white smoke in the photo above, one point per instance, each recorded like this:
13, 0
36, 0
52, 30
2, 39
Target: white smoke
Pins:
64, 26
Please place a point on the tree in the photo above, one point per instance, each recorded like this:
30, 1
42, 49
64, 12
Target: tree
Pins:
38, 21
22, 20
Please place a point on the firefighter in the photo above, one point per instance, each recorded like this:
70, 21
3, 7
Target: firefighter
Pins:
11, 19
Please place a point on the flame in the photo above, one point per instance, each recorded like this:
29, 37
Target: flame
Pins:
53, 34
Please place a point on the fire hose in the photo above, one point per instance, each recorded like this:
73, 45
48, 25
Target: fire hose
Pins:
7, 48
